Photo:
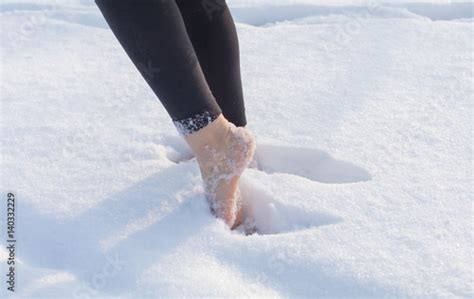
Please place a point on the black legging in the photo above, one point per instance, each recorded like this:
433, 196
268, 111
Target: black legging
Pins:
187, 51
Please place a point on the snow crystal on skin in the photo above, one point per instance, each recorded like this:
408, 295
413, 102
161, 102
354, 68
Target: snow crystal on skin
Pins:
238, 152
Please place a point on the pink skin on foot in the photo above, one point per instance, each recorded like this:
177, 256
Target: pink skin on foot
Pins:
223, 152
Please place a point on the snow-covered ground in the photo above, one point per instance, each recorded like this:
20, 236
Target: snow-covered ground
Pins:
363, 116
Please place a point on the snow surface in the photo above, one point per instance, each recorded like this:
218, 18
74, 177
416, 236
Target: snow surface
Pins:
362, 112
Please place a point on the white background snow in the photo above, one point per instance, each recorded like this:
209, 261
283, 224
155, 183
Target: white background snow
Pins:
362, 112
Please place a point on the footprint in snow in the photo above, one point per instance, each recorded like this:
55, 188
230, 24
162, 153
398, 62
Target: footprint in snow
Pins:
266, 215
309, 163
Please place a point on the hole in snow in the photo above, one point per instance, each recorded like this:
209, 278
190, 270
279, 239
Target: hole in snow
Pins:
265, 215
312, 164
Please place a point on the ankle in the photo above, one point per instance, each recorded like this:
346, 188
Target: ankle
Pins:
210, 137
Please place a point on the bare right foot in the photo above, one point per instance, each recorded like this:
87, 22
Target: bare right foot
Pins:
222, 157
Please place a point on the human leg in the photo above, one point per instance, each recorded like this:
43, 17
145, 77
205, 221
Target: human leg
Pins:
212, 31
154, 36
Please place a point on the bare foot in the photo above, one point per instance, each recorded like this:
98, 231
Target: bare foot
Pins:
221, 170
222, 159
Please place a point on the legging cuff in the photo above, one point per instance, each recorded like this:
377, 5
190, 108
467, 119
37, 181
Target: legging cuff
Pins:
187, 126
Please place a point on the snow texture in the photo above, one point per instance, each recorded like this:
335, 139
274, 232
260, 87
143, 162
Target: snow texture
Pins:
362, 112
